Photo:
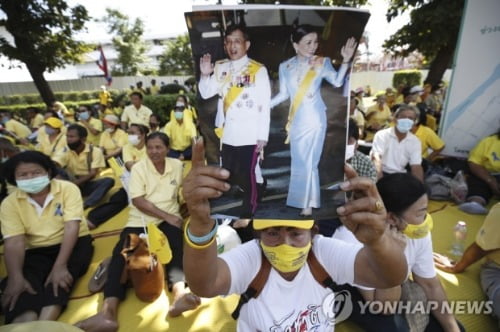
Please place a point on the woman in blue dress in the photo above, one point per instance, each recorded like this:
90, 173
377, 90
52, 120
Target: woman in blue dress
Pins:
300, 81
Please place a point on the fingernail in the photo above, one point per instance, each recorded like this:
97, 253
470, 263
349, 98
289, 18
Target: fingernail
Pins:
227, 185
345, 185
224, 172
340, 210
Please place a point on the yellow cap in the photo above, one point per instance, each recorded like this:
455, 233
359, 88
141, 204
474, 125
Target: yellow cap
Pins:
54, 122
259, 224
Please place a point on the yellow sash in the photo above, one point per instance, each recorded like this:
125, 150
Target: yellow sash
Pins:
297, 99
234, 91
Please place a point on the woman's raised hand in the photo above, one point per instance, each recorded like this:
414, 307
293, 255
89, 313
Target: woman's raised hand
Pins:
348, 49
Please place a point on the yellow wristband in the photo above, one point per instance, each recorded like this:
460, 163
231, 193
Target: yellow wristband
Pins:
193, 245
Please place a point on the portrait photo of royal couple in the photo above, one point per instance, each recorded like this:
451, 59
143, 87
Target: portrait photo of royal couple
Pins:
273, 87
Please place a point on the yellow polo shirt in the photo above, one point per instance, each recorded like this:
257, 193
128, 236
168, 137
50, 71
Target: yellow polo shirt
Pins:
429, 139
487, 154
37, 121
180, 135
160, 189
78, 164
110, 142
21, 130
43, 226
97, 125
131, 153
488, 237
50, 148
133, 115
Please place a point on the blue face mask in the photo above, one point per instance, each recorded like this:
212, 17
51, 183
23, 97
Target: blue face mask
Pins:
84, 116
49, 130
404, 125
33, 185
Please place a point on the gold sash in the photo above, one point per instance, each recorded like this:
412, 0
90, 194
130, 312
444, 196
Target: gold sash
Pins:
234, 91
297, 99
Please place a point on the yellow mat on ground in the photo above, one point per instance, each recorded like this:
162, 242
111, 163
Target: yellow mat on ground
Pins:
214, 314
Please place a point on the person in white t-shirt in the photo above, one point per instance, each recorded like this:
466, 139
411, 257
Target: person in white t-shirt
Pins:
396, 147
406, 201
291, 298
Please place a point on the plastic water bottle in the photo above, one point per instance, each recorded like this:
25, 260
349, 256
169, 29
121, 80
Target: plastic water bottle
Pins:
459, 237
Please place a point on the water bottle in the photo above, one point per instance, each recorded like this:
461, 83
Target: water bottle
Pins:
459, 237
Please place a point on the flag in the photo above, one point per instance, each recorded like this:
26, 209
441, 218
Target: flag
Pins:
103, 65
158, 244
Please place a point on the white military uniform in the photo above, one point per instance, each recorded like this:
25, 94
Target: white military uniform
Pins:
247, 119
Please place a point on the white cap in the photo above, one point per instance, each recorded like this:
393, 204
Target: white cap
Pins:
416, 89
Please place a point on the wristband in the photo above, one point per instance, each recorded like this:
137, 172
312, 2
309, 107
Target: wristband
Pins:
197, 246
201, 239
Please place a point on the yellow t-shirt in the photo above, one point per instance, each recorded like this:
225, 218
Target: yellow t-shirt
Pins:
104, 97
131, 153
180, 135
488, 237
37, 121
44, 227
110, 142
160, 189
78, 164
429, 139
374, 115
154, 89
487, 153
97, 125
189, 114
19, 129
133, 115
51, 148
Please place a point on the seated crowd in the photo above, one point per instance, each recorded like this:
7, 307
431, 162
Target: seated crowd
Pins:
55, 170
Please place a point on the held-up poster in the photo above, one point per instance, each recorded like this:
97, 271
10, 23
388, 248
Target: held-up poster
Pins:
272, 96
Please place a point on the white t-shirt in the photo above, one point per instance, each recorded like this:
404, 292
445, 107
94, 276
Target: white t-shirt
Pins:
395, 154
289, 305
418, 252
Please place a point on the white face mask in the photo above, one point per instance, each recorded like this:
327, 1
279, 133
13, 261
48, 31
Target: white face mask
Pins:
110, 130
349, 151
133, 139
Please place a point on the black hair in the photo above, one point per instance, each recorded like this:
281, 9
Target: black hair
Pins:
399, 191
406, 91
300, 31
142, 128
32, 157
159, 135
83, 106
183, 98
422, 118
7, 145
232, 28
138, 94
33, 109
82, 131
353, 130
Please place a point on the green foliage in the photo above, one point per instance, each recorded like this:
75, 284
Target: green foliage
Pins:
65, 97
172, 88
21, 108
177, 58
406, 78
127, 42
162, 104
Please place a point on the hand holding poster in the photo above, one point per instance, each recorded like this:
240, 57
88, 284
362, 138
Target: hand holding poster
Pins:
273, 106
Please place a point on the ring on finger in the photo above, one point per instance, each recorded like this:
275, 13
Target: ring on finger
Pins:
379, 206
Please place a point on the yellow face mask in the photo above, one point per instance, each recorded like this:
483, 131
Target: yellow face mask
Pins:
419, 231
285, 258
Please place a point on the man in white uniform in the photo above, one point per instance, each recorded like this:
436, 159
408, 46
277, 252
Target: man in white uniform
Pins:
243, 112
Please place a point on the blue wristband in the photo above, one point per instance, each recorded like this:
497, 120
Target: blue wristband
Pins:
204, 238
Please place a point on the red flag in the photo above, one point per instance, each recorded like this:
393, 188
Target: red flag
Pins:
103, 65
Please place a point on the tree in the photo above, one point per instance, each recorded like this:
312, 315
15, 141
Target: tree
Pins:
432, 31
43, 34
177, 58
127, 42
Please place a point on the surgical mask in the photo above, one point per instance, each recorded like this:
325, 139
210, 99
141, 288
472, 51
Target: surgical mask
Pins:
49, 130
84, 116
404, 125
179, 115
286, 258
134, 139
75, 145
349, 151
421, 230
33, 185
110, 130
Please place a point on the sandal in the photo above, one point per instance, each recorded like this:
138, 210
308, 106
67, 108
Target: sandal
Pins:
98, 279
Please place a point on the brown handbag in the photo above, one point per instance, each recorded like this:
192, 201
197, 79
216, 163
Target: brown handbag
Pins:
142, 269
